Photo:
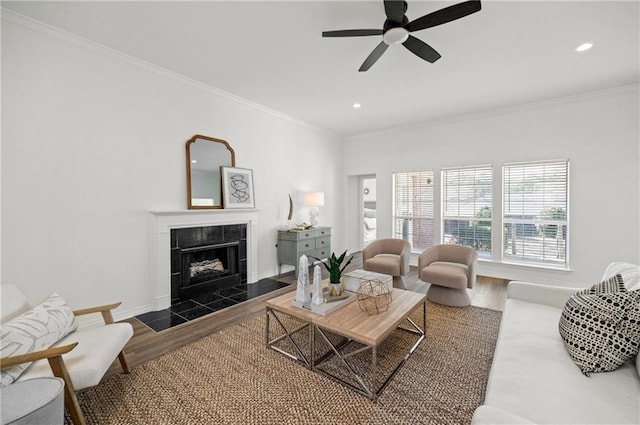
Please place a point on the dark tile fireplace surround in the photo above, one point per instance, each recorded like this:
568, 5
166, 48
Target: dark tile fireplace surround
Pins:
207, 259
208, 274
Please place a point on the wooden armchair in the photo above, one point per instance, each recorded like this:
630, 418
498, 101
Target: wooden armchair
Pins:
81, 358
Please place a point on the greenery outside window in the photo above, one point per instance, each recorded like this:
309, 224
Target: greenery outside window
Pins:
413, 208
466, 207
535, 213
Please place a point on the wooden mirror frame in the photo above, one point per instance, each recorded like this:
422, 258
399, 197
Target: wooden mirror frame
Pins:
219, 182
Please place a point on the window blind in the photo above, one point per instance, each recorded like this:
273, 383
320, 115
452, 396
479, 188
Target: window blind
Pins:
535, 215
413, 208
466, 207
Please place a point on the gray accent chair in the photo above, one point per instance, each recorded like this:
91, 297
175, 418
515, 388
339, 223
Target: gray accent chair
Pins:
33, 401
388, 256
450, 269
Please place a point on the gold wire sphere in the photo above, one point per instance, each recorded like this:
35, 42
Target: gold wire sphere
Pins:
374, 296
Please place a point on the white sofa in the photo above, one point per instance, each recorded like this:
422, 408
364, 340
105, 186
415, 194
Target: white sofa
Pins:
533, 379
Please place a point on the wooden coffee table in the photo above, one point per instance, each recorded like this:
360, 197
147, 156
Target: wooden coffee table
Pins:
354, 325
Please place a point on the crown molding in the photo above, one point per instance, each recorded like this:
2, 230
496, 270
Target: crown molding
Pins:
627, 88
11, 17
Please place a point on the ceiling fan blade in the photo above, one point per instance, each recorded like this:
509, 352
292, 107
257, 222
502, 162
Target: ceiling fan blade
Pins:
351, 33
374, 56
395, 10
421, 49
445, 15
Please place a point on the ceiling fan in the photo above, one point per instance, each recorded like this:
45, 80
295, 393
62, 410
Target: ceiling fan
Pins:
397, 27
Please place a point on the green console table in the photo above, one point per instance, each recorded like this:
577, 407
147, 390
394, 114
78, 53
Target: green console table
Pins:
313, 242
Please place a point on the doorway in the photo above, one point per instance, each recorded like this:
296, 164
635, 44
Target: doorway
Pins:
369, 209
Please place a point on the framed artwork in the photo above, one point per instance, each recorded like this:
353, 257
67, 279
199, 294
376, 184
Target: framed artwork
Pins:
237, 187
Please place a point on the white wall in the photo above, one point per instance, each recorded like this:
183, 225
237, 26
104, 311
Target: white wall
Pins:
92, 141
597, 132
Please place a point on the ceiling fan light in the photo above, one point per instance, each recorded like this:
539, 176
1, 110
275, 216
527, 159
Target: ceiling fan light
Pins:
395, 35
584, 47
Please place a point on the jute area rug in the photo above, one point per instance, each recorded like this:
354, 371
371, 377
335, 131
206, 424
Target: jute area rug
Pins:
230, 377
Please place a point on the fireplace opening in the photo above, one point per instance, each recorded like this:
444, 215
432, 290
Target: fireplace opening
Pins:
207, 259
203, 264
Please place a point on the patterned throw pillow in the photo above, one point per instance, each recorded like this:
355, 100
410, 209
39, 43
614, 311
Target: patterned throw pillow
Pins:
600, 326
34, 330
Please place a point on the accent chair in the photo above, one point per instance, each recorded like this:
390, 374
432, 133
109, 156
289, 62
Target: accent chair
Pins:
48, 336
450, 269
388, 256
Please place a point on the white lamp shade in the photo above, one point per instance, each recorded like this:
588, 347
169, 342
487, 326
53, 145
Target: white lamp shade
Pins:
313, 199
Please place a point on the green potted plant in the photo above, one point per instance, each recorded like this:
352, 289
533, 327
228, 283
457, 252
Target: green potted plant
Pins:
332, 265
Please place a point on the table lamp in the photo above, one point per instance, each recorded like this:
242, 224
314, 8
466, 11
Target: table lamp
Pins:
313, 200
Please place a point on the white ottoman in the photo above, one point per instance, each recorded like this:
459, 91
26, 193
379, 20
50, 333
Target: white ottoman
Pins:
33, 402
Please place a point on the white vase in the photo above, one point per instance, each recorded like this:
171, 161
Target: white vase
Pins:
335, 289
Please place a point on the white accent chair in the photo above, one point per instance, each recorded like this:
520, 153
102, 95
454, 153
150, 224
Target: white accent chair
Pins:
80, 359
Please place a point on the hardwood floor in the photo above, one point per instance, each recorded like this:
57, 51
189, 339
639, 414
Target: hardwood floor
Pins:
147, 345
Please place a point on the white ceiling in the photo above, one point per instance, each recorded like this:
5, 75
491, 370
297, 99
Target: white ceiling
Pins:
272, 53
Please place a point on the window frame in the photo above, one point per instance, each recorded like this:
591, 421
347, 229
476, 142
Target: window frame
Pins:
504, 258
487, 168
430, 174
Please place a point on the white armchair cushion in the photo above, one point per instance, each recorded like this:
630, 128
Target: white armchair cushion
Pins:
86, 364
35, 330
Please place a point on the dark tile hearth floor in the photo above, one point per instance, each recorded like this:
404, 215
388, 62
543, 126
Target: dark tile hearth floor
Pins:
205, 304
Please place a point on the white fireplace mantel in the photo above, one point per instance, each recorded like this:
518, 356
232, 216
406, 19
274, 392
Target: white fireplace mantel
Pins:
164, 221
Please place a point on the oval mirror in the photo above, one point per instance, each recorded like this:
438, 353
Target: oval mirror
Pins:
205, 156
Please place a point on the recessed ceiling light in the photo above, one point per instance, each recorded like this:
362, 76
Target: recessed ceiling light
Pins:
584, 47
193, 161
356, 105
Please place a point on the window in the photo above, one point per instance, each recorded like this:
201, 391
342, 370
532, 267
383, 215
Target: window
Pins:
466, 207
535, 214
413, 208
